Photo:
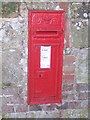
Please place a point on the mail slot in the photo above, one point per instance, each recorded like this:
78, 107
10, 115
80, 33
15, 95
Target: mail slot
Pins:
46, 33
45, 56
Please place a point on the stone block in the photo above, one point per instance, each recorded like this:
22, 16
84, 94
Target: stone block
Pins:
81, 69
79, 37
68, 59
64, 114
13, 100
83, 96
84, 104
7, 109
67, 87
11, 90
35, 108
49, 107
68, 70
82, 87
32, 114
12, 71
68, 78
84, 113
21, 108
14, 33
70, 97
74, 105
46, 5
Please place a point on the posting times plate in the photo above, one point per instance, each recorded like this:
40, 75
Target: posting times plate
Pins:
45, 56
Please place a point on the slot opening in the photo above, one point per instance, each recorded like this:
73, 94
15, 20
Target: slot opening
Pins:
46, 32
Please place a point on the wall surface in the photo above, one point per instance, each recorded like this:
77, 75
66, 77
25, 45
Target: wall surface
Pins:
14, 55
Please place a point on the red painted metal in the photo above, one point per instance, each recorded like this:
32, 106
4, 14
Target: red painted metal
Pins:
46, 34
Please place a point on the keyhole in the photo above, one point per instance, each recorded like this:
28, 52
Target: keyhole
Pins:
40, 76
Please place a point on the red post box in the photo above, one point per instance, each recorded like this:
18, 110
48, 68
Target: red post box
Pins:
45, 56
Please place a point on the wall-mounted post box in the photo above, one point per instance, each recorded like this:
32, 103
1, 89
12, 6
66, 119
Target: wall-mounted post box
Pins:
45, 56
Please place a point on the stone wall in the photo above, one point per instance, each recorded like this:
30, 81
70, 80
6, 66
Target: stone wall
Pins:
14, 55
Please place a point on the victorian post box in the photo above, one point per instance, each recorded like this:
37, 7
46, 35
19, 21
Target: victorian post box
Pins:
45, 56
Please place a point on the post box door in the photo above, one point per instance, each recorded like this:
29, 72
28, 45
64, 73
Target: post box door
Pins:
45, 60
45, 74
45, 71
